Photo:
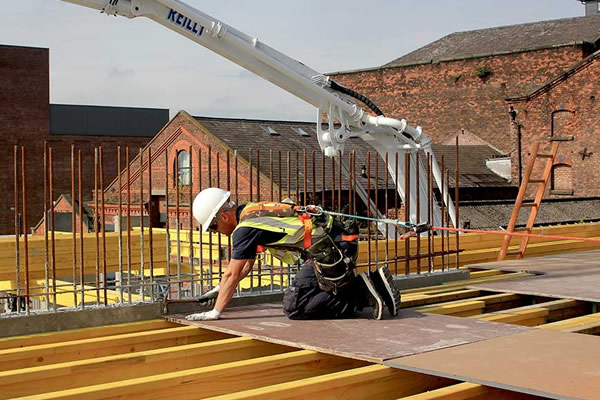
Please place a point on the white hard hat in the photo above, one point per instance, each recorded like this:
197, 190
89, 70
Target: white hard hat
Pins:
207, 204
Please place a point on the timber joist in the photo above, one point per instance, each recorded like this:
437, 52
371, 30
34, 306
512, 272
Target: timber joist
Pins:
160, 359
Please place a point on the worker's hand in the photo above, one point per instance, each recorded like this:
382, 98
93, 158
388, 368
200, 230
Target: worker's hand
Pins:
407, 235
204, 316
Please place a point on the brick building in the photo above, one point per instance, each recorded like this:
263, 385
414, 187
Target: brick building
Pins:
216, 143
467, 82
28, 119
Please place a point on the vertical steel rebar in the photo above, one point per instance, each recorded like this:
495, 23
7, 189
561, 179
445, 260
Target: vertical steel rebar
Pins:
314, 180
279, 176
387, 232
376, 210
259, 263
127, 161
219, 236
53, 243
210, 234
120, 218
369, 209
271, 180
418, 208
191, 221
430, 236
81, 253
228, 183
200, 234
177, 179
396, 188
442, 213
46, 250
150, 222
73, 225
142, 269
96, 225
167, 225
456, 201
340, 160
288, 177
407, 210
333, 183
305, 167
297, 173
25, 227
323, 199
448, 218
17, 227
104, 269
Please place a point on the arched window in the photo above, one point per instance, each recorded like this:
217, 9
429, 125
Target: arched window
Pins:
183, 165
562, 179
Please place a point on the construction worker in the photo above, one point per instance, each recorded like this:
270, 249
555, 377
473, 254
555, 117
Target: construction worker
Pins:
326, 286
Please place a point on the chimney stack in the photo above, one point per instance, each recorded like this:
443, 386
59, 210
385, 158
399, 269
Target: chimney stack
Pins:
592, 7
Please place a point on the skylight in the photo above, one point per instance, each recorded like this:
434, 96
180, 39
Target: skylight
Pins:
300, 131
270, 130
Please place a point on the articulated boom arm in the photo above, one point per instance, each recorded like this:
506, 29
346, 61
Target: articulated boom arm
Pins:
345, 118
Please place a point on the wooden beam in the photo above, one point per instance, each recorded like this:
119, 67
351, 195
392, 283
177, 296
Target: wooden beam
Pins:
84, 333
470, 391
53, 353
374, 381
458, 309
215, 380
534, 315
413, 300
69, 375
588, 324
531, 317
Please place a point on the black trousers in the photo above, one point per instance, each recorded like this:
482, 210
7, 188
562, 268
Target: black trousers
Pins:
304, 299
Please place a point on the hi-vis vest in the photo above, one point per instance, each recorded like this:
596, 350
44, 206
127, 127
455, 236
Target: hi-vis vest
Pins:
283, 217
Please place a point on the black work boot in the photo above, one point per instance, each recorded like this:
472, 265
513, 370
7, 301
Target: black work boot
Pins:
371, 297
384, 284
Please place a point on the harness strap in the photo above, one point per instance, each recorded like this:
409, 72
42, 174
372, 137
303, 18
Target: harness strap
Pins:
308, 227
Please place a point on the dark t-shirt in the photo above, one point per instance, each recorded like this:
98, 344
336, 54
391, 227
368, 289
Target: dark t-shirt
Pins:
246, 239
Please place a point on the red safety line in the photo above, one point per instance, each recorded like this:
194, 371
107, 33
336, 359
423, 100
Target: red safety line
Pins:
441, 228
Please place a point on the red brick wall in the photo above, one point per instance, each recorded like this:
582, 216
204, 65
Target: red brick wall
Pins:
24, 120
182, 132
446, 97
24, 109
574, 106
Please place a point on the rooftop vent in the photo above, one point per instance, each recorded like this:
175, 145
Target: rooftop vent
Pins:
270, 130
300, 131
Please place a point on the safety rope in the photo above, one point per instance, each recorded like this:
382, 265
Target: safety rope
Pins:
419, 228
501, 233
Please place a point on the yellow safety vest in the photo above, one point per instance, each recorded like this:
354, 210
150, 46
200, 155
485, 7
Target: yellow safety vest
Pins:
264, 216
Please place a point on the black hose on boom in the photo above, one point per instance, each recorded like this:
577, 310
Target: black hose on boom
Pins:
337, 87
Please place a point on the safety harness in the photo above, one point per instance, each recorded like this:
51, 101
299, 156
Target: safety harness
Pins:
308, 233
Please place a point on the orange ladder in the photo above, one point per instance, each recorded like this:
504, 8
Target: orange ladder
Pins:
535, 204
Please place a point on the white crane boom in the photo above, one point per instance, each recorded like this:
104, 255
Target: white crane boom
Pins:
345, 118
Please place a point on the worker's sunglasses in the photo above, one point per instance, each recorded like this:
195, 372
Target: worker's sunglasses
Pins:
213, 225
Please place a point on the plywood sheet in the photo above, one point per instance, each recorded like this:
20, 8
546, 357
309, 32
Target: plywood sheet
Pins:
359, 338
545, 363
572, 275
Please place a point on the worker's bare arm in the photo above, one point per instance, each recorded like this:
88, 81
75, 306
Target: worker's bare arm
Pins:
230, 280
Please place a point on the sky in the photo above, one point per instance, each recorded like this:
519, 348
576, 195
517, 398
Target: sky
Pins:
101, 60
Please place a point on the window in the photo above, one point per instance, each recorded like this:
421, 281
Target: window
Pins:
300, 131
183, 165
270, 130
562, 179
